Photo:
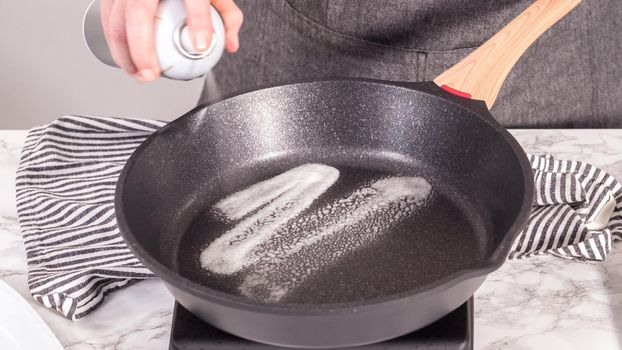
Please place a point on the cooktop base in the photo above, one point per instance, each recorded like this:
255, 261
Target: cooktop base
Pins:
454, 331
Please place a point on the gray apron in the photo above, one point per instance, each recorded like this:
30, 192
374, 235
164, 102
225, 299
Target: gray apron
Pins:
570, 77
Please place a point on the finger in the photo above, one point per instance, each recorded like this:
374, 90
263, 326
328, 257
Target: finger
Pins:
199, 23
233, 17
105, 9
139, 22
117, 39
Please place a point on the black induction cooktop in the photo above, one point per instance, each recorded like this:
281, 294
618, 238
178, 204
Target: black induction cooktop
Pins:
454, 331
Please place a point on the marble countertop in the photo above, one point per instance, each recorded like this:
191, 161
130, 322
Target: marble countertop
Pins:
537, 303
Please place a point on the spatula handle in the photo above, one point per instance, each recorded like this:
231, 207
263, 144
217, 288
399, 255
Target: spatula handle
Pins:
481, 74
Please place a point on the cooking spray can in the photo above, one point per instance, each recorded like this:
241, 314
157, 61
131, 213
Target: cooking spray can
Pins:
175, 51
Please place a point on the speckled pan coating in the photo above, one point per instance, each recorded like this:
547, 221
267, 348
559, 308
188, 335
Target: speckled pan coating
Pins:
407, 129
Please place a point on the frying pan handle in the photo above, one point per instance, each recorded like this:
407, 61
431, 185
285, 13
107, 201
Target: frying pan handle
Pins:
481, 74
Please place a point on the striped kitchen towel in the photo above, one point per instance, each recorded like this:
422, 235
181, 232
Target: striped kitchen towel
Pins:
65, 201
577, 211
65, 193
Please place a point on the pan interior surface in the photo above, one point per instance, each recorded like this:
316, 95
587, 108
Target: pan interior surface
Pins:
387, 249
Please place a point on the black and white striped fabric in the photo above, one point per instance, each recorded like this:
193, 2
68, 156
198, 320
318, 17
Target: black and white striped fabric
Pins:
577, 211
65, 188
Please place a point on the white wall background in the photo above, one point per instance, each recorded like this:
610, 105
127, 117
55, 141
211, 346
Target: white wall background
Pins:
47, 71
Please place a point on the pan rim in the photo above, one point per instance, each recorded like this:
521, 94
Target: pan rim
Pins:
494, 260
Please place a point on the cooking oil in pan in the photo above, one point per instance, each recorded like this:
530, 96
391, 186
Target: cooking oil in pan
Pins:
323, 234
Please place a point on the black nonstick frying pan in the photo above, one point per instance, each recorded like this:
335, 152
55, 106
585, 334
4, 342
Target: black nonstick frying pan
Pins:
338, 212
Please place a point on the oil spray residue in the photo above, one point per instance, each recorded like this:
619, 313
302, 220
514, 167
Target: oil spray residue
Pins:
277, 243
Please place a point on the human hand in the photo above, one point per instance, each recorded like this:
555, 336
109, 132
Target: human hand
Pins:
129, 30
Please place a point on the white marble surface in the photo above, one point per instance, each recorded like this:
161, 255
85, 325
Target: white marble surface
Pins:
538, 303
